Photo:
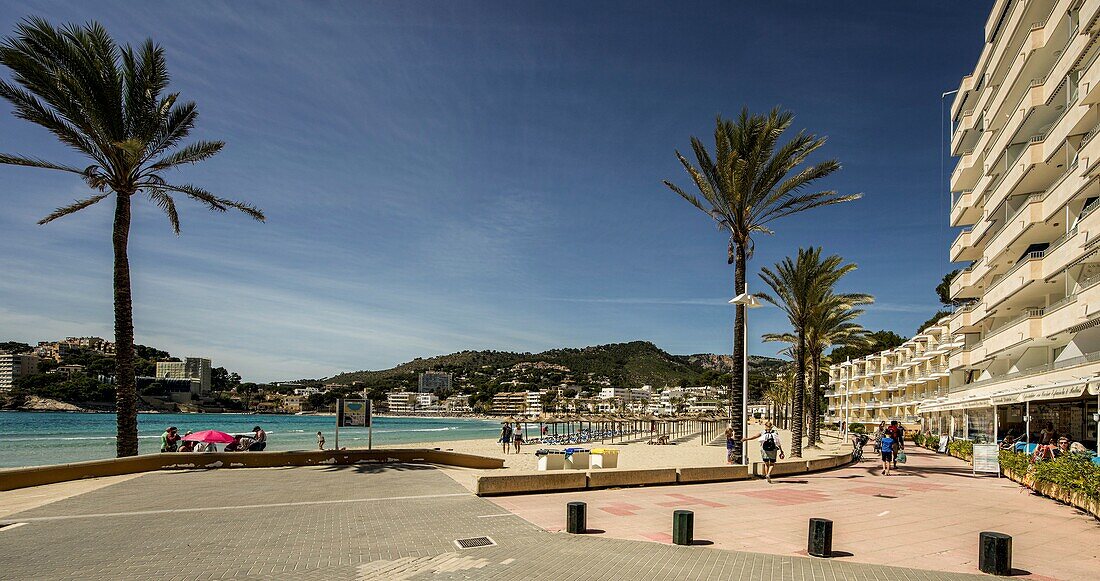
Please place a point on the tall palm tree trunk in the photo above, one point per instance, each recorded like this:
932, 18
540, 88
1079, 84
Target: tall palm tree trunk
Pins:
799, 390
126, 392
737, 403
815, 401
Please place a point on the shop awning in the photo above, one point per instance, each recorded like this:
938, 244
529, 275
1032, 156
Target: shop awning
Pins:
1062, 390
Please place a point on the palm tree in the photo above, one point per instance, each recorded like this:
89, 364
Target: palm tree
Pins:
109, 104
831, 325
800, 286
752, 181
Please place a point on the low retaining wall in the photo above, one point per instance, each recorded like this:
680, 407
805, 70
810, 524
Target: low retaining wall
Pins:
1051, 490
713, 474
526, 483
555, 481
13, 478
611, 478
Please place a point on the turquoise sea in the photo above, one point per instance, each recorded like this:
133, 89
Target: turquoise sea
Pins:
37, 438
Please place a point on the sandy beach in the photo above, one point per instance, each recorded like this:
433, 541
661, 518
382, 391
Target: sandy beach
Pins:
631, 455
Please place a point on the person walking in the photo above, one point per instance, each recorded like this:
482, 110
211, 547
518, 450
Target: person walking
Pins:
517, 438
887, 445
898, 433
879, 432
729, 446
506, 436
770, 447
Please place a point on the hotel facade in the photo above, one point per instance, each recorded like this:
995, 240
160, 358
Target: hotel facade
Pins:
895, 383
1024, 195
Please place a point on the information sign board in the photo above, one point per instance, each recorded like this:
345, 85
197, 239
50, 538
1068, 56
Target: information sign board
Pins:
353, 413
986, 458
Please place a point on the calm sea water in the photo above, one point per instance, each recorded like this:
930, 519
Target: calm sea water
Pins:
37, 438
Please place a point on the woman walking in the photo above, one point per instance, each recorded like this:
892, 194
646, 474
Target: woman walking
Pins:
770, 447
881, 431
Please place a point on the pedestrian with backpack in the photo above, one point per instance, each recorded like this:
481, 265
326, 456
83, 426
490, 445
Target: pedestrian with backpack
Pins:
770, 447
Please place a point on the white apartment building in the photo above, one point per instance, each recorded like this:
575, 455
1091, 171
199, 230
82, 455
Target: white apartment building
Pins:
197, 368
427, 401
401, 402
893, 384
16, 365
1024, 193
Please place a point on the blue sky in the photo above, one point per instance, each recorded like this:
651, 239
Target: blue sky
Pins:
487, 175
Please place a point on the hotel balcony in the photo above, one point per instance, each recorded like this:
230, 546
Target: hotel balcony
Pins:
1027, 271
962, 248
1027, 327
1078, 307
963, 209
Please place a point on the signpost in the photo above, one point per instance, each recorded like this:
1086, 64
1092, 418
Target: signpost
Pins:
986, 459
943, 445
354, 413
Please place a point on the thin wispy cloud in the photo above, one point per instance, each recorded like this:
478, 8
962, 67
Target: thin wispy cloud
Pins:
441, 177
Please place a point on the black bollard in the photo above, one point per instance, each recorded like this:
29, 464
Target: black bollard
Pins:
683, 527
575, 518
821, 538
995, 553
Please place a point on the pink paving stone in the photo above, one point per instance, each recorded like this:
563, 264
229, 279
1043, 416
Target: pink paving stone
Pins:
877, 490
940, 509
683, 499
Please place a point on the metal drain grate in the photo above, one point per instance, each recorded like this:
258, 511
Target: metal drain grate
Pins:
475, 542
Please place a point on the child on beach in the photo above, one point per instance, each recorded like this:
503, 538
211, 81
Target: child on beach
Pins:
320, 441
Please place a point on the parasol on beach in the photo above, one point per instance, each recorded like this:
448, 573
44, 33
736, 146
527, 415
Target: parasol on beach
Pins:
209, 437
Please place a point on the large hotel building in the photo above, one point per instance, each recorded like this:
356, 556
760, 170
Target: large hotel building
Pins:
1023, 349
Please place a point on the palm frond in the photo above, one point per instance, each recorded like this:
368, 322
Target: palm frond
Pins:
71, 208
214, 202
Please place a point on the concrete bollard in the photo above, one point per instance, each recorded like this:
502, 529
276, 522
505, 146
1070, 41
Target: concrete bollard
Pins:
683, 527
820, 543
576, 520
995, 553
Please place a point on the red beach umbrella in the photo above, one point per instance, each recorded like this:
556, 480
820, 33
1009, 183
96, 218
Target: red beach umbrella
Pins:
209, 437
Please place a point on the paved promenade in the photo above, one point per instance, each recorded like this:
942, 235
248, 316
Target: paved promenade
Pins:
926, 515
401, 522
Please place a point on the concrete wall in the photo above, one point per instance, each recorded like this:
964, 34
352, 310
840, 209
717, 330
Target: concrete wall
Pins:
490, 485
13, 478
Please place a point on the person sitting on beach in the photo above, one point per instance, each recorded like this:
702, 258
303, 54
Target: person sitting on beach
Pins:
238, 444
187, 445
320, 441
259, 441
169, 440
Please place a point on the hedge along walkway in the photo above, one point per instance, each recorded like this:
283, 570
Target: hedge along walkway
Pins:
927, 516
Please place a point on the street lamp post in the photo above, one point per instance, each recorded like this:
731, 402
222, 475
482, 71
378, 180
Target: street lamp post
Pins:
746, 301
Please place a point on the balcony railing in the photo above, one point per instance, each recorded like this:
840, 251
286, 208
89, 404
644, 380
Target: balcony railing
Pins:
1027, 314
1036, 370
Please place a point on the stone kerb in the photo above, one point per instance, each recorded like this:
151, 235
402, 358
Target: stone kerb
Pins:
609, 478
713, 474
525, 483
